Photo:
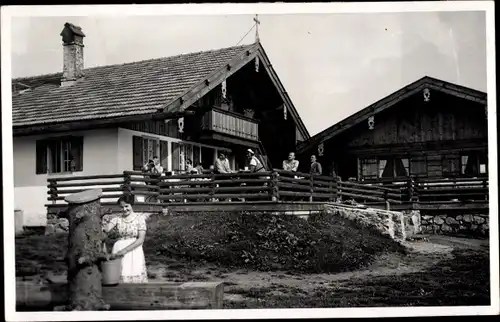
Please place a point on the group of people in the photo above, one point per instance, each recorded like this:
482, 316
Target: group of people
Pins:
222, 164
291, 164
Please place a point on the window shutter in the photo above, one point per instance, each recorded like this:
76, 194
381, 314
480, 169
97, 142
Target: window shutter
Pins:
137, 150
77, 152
164, 154
41, 157
176, 156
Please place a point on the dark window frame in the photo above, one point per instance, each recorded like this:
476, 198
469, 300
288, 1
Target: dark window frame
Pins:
59, 155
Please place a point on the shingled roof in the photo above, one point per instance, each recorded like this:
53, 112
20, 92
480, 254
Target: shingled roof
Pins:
115, 90
390, 101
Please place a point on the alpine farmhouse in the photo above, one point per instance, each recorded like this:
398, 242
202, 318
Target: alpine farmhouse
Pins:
109, 119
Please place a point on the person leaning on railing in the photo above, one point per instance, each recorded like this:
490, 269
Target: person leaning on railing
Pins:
291, 164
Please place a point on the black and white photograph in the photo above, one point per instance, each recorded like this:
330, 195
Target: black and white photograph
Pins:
230, 160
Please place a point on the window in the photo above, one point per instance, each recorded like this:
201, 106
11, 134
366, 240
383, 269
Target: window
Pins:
59, 155
451, 166
369, 168
145, 148
373, 168
473, 163
418, 165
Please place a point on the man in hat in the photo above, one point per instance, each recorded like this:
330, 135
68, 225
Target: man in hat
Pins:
254, 163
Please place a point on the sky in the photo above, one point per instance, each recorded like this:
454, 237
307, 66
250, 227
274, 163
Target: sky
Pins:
331, 65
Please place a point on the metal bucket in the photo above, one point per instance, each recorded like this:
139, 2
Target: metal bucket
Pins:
111, 271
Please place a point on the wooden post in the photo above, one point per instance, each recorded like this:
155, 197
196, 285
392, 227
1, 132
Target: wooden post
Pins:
311, 183
387, 204
212, 186
273, 192
85, 252
53, 190
485, 186
127, 180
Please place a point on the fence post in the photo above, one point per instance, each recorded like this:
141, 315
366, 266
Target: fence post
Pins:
127, 180
212, 187
339, 190
311, 184
386, 199
334, 187
53, 190
485, 186
274, 192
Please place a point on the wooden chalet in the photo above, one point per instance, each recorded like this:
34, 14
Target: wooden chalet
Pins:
429, 131
106, 120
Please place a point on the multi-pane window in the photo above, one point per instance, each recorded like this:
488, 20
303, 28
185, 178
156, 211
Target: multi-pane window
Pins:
369, 168
59, 155
391, 167
145, 148
473, 163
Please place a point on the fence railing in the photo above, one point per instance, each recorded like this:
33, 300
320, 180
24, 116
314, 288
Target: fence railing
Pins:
271, 186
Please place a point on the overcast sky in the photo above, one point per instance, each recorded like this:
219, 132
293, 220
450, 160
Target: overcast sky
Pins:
332, 65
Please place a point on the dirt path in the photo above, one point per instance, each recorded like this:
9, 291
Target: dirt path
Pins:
242, 283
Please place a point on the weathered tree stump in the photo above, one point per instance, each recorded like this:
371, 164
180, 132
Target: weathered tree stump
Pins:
85, 252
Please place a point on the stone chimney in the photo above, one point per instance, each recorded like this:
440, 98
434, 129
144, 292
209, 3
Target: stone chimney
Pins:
72, 37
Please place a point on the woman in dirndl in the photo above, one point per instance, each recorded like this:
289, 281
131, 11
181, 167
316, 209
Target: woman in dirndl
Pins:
131, 229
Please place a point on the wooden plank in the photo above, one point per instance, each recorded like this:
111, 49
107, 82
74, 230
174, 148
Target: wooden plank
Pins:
55, 184
248, 206
147, 296
451, 206
76, 178
94, 123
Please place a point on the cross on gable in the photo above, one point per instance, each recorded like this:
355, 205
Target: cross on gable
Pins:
257, 23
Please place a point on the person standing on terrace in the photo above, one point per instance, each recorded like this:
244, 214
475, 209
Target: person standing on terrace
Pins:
291, 164
254, 163
316, 169
222, 164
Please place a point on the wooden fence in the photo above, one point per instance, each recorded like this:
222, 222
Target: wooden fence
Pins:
271, 186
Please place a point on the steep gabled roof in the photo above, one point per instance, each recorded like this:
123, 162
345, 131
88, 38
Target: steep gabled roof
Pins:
137, 88
390, 101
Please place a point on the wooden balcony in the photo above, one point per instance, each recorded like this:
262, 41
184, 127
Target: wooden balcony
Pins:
230, 123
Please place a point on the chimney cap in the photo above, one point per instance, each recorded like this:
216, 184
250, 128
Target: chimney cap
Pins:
69, 31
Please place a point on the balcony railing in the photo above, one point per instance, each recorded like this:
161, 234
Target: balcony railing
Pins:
225, 122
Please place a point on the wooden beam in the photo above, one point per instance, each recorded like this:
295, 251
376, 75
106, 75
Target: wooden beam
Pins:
248, 206
464, 206
148, 296
95, 123
202, 88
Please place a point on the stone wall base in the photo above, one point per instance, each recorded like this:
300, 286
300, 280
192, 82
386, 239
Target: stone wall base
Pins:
399, 226
453, 223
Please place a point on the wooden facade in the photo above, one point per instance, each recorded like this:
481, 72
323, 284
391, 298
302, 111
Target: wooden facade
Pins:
432, 133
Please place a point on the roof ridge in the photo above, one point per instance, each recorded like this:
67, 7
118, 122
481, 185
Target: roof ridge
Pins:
137, 61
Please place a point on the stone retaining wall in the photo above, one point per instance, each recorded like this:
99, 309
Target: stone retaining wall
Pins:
469, 224
398, 226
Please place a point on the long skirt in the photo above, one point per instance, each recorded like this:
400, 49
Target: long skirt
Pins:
133, 263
